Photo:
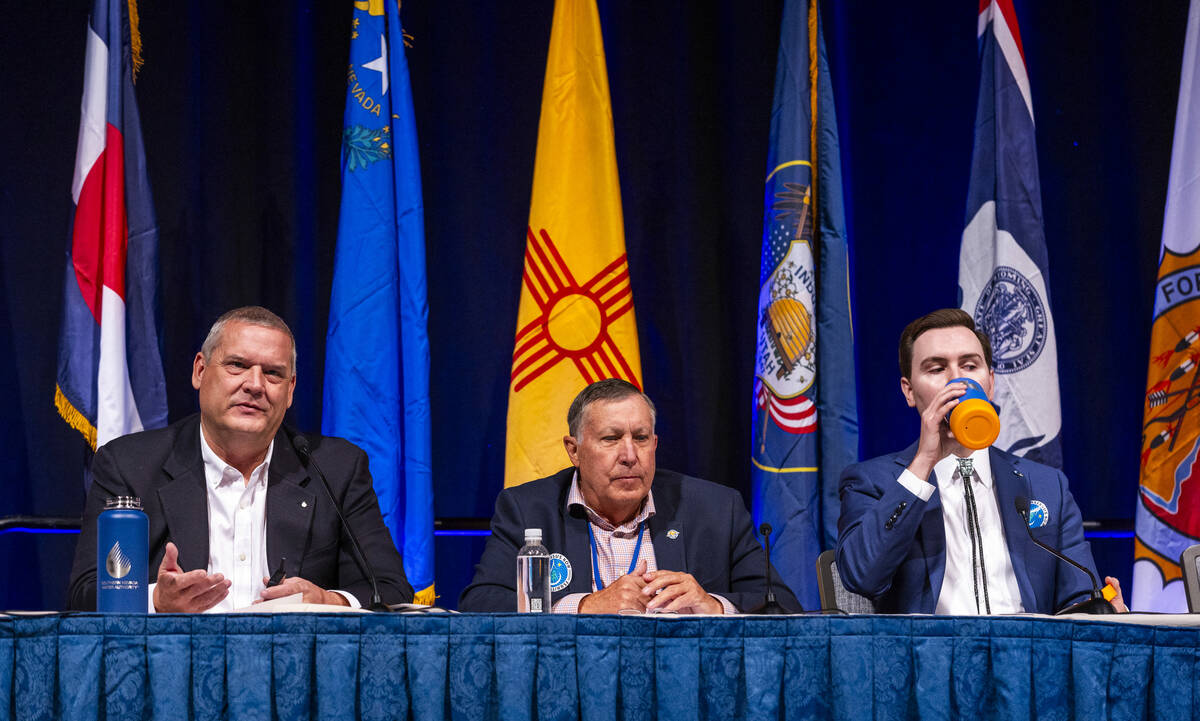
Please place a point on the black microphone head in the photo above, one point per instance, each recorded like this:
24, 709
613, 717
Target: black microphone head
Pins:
1022, 504
300, 443
765, 529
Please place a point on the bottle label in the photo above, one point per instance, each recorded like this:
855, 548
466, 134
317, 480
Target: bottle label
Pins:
535, 605
117, 563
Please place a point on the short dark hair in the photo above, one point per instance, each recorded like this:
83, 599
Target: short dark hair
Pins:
250, 315
609, 389
941, 318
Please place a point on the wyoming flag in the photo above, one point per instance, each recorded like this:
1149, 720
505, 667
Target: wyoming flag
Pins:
575, 323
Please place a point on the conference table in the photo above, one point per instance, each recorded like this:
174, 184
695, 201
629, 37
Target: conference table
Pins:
512, 667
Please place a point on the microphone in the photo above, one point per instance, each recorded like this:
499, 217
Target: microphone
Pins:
300, 443
770, 607
1097, 604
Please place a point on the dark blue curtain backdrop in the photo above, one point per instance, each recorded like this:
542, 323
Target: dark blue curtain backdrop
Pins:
241, 107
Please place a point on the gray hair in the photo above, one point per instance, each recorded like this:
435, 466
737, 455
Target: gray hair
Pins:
250, 315
609, 389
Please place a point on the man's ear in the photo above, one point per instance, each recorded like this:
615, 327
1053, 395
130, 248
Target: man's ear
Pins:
906, 389
572, 447
198, 367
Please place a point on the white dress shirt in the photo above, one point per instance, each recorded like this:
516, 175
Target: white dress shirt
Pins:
957, 596
237, 526
237, 529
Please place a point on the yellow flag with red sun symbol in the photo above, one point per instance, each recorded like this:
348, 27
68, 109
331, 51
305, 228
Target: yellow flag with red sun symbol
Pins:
575, 324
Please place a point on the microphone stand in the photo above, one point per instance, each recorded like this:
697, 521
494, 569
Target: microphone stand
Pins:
770, 606
300, 443
1097, 604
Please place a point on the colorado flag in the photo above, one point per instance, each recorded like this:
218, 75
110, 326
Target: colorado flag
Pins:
110, 377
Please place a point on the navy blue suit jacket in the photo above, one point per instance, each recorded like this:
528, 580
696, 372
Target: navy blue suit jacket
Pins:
892, 545
715, 541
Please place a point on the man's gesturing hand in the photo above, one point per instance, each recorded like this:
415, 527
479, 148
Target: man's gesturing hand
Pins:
675, 591
623, 594
312, 593
190, 592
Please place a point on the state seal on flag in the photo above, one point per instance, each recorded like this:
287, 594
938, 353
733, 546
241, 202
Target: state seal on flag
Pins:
1013, 314
786, 345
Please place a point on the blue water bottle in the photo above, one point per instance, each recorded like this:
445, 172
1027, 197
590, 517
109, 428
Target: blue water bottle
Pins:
122, 537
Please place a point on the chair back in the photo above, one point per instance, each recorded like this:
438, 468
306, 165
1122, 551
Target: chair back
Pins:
834, 596
1189, 561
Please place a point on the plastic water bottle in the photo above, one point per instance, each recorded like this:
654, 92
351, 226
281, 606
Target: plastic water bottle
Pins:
533, 574
122, 537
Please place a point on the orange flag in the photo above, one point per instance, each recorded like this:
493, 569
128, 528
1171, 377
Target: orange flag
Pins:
575, 324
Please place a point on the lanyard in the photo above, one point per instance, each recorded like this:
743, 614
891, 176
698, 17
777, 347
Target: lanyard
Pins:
637, 551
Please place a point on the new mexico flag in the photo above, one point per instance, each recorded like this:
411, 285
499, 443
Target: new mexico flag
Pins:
575, 324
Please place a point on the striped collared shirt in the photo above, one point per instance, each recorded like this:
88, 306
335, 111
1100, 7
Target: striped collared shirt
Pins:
615, 546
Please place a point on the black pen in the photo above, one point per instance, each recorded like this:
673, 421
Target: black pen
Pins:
277, 577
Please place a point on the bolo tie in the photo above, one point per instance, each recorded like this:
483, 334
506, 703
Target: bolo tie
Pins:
966, 471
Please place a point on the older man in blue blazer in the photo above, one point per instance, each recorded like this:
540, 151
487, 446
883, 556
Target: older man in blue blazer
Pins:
626, 537
916, 537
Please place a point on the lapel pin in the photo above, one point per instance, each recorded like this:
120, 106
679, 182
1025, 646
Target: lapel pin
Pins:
304, 504
1039, 515
672, 534
560, 572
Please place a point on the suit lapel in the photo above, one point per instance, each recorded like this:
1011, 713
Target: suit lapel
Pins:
290, 506
184, 499
932, 536
577, 550
670, 549
933, 545
1010, 482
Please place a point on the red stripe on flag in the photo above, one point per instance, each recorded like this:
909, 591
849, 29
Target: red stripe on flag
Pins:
101, 230
86, 238
1010, 19
116, 222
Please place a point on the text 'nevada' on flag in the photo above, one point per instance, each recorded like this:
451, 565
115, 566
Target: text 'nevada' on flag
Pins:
1003, 267
805, 418
376, 391
575, 321
1168, 509
110, 377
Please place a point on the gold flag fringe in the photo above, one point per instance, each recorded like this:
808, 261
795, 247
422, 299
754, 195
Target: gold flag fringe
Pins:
74, 418
425, 596
135, 40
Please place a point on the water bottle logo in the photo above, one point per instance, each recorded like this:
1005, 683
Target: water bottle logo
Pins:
117, 563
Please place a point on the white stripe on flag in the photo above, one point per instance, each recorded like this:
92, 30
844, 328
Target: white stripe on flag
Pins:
1008, 46
116, 412
1182, 216
94, 112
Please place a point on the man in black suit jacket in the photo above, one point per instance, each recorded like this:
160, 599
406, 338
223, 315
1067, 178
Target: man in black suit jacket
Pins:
245, 374
699, 535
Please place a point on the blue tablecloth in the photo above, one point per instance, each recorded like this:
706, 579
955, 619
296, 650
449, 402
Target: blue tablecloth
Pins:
510, 667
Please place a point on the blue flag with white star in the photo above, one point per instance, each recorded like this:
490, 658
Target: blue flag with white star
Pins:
376, 390
805, 399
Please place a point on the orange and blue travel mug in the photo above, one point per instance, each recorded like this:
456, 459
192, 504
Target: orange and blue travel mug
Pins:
974, 421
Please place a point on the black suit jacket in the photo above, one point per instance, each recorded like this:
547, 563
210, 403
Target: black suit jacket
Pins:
715, 541
164, 468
